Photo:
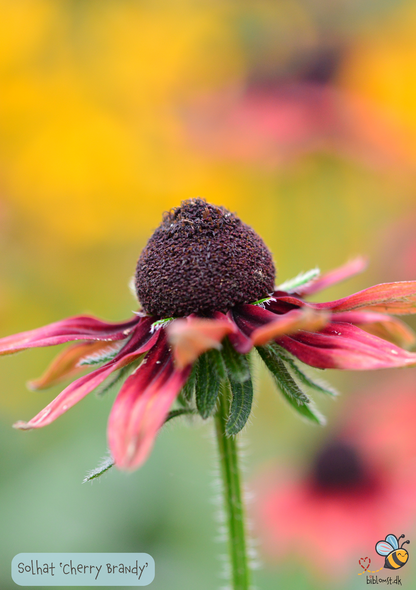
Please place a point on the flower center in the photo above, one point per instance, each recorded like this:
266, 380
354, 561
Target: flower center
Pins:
202, 259
338, 467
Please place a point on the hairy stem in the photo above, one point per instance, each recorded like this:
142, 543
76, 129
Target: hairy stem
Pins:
230, 472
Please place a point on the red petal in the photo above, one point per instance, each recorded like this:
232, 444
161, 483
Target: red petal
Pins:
381, 325
141, 341
398, 298
193, 336
75, 328
344, 346
262, 325
302, 319
239, 340
70, 396
332, 277
66, 364
142, 406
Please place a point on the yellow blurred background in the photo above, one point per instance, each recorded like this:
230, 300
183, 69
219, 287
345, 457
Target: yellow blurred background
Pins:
300, 116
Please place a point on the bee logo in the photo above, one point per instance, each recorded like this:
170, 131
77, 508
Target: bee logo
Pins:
396, 556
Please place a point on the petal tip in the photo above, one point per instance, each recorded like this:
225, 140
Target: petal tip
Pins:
20, 425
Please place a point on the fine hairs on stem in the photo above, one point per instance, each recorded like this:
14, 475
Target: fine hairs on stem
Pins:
233, 513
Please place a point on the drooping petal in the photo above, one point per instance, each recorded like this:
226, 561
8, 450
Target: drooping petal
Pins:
193, 336
351, 268
66, 364
152, 366
381, 325
75, 328
141, 341
397, 298
302, 319
344, 346
142, 406
261, 325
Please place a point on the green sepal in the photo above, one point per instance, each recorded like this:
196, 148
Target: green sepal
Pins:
97, 359
321, 385
288, 386
160, 323
182, 401
261, 301
207, 386
236, 364
106, 464
240, 406
218, 364
188, 390
116, 378
303, 278
180, 412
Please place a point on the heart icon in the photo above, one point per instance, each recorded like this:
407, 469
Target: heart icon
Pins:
364, 563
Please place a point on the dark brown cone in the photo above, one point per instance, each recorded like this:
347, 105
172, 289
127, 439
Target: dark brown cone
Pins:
202, 259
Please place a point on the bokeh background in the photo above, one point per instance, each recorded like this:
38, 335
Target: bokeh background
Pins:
299, 115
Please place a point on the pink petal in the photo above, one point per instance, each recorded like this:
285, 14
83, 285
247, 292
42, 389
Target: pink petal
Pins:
261, 325
332, 277
344, 346
141, 341
142, 406
302, 319
75, 328
398, 298
70, 396
66, 364
193, 336
381, 325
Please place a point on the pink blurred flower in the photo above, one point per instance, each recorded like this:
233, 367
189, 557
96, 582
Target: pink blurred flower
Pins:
275, 121
357, 488
205, 281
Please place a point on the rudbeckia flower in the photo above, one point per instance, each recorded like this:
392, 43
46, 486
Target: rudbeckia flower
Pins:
206, 285
356, 488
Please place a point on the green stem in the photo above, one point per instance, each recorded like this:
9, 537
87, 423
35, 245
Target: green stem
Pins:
228, 454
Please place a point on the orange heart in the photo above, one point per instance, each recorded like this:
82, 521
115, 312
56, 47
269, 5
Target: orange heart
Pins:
364, 563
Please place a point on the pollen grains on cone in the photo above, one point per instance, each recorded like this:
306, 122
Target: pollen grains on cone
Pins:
202, 258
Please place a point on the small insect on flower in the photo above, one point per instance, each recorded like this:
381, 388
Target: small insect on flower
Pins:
206, 285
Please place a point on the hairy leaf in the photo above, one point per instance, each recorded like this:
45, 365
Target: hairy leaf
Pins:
207, 386
103, 356
303, 278
218, 364
188, 389
288, 386
240, 406
237, 365
180, 412
303, 377
115, 379
106, 464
